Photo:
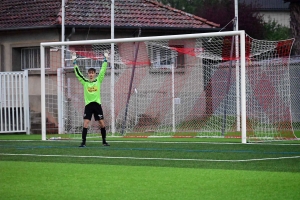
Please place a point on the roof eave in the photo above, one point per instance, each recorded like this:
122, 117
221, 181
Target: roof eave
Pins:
212, 29
144, 27
28, 28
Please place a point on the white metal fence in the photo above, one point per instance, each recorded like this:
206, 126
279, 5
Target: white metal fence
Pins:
294, 70
14, 102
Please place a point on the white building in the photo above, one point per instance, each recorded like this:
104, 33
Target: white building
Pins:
273, 10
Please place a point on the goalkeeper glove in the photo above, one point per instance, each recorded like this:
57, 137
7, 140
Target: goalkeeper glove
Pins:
74, 58
75, 61
105, 56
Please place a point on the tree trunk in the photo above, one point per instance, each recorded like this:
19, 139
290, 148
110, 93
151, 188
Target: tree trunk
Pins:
295, 25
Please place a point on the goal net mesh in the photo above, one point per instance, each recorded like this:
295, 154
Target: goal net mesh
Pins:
177, 88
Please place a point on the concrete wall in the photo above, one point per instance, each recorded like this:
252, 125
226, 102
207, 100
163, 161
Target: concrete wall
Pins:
29, 38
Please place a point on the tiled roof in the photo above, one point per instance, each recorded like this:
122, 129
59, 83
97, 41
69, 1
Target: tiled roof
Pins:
28, 13
128, 13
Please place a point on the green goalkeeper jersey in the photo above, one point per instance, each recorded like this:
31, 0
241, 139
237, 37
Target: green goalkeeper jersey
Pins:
92, 89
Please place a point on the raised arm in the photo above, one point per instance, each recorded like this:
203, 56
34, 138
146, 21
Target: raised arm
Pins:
103, 68
78, 74
102, 71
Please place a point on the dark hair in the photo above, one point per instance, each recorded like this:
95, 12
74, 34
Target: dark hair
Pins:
92, 70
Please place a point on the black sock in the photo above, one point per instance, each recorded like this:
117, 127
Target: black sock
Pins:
103, 134
84, 133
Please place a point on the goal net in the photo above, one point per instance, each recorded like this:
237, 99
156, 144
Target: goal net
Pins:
175, 86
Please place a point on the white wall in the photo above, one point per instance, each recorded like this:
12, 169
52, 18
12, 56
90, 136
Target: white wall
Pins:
283, 18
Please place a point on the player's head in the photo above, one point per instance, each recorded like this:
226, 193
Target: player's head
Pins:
91, 73
91, 70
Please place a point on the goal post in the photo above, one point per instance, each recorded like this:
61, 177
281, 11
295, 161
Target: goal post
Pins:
243, 86
192, 85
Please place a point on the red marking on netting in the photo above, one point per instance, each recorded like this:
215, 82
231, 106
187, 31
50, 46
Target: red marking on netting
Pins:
198, 51
284, 48
85, 51
248, 46
188, 51
229, 50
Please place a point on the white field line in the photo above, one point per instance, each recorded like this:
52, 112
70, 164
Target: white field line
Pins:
141, 158
151, 141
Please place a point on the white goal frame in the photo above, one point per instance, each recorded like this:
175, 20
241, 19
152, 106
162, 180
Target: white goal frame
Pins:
240, 33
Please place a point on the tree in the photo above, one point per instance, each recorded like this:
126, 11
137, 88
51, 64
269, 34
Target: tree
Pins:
188, 6
222, 12
295, 23
274, 31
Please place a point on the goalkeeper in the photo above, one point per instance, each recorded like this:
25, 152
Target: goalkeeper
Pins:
92, 98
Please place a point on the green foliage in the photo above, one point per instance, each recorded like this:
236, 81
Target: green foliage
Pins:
222, 12
275, 31
249, 20
188, 6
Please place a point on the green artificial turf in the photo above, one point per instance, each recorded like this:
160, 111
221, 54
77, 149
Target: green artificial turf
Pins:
36, 180
147, 168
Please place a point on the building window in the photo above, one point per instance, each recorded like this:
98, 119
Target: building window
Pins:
166, 58
31, 58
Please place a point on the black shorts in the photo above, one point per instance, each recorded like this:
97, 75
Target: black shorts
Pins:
93, 108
